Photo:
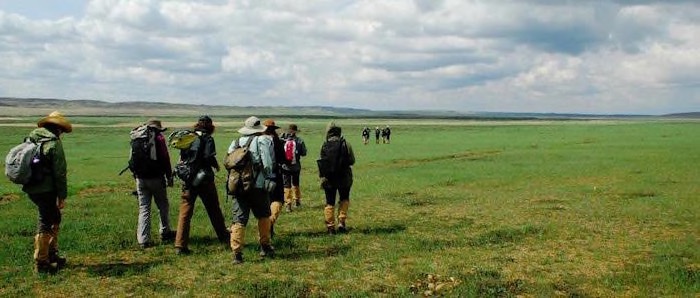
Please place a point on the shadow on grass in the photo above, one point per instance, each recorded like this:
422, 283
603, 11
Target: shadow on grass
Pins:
117, 269
505, 235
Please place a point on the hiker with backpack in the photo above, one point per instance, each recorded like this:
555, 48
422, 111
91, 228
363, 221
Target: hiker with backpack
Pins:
365, 135
335, 172
294, 148
251, 163
196, 169
277, 195
46, 186
377, 131
149, 162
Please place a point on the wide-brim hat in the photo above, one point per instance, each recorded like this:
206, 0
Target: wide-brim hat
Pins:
251, 126
56, 118
155, 123
269, 123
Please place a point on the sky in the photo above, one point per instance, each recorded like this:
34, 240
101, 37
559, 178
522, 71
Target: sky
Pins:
544, 56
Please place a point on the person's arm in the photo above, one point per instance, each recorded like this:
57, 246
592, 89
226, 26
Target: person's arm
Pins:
302, 147
163, 156
210, 153
351, 154
59, 170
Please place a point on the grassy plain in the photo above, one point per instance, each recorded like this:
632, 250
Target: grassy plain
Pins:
557, 208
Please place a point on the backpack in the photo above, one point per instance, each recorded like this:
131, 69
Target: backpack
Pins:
241, 169
23, 162
143, 160
290, 150
182, 139
333, 159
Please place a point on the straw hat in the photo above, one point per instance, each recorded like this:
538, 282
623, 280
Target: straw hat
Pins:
56, 118
251, 125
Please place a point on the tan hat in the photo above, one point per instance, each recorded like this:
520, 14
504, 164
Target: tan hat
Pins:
56, 118
269, 123
153, 122
251, 125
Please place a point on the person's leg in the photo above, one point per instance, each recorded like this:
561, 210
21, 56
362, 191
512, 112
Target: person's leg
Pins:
241, 213
344, 205
160, 196
184, 219
262, 213
49, 215
328, 210
287, 182
210, 198
143, 228
295, 188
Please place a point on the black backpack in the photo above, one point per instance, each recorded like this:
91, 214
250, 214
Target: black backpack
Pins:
143, 161
334, 158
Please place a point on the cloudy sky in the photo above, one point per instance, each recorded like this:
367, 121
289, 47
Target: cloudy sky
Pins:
579, 56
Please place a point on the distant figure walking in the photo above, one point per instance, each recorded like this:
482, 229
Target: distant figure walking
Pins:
386, 135
377, 132
295, 149
335, 172
365, 135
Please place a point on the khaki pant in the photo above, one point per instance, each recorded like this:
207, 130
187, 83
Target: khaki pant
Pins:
210, 199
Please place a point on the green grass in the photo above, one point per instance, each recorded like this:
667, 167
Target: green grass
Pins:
500, 209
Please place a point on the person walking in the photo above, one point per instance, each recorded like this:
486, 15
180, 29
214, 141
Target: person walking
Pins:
200, 160
152, 172
294, 148
377, 131
365, 135
277, 195
335, 172
49, 192
387, 132
261, 149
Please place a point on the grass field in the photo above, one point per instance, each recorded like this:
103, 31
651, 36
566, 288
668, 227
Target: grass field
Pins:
568, 208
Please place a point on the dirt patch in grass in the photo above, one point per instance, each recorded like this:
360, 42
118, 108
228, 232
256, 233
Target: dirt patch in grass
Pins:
100, 190
505, 235
479, 155
8, 198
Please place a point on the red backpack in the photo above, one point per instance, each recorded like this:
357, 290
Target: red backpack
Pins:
290, 150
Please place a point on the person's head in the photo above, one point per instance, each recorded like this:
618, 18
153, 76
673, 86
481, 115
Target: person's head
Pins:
205, 124
333, 130
251, 126
270, 127
56, 123
155, 123
292, 129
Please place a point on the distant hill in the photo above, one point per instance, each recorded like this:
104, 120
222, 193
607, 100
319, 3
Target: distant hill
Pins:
10, 106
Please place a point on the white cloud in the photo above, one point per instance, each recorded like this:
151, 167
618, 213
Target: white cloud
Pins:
537, 56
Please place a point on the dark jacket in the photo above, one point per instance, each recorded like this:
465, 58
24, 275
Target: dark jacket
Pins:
301, 151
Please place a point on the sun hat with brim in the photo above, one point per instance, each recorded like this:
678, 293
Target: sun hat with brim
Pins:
251, 125
155, 123
269, 123
56, 118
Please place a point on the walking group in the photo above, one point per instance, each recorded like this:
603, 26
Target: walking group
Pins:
384, 132
263, 175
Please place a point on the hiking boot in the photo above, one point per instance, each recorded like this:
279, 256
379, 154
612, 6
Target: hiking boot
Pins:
331, 231
145, 245
182, 251
266, 251
60, 261
288, 208
237, 258
297, 203
44, 268
167, 236
342, 229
